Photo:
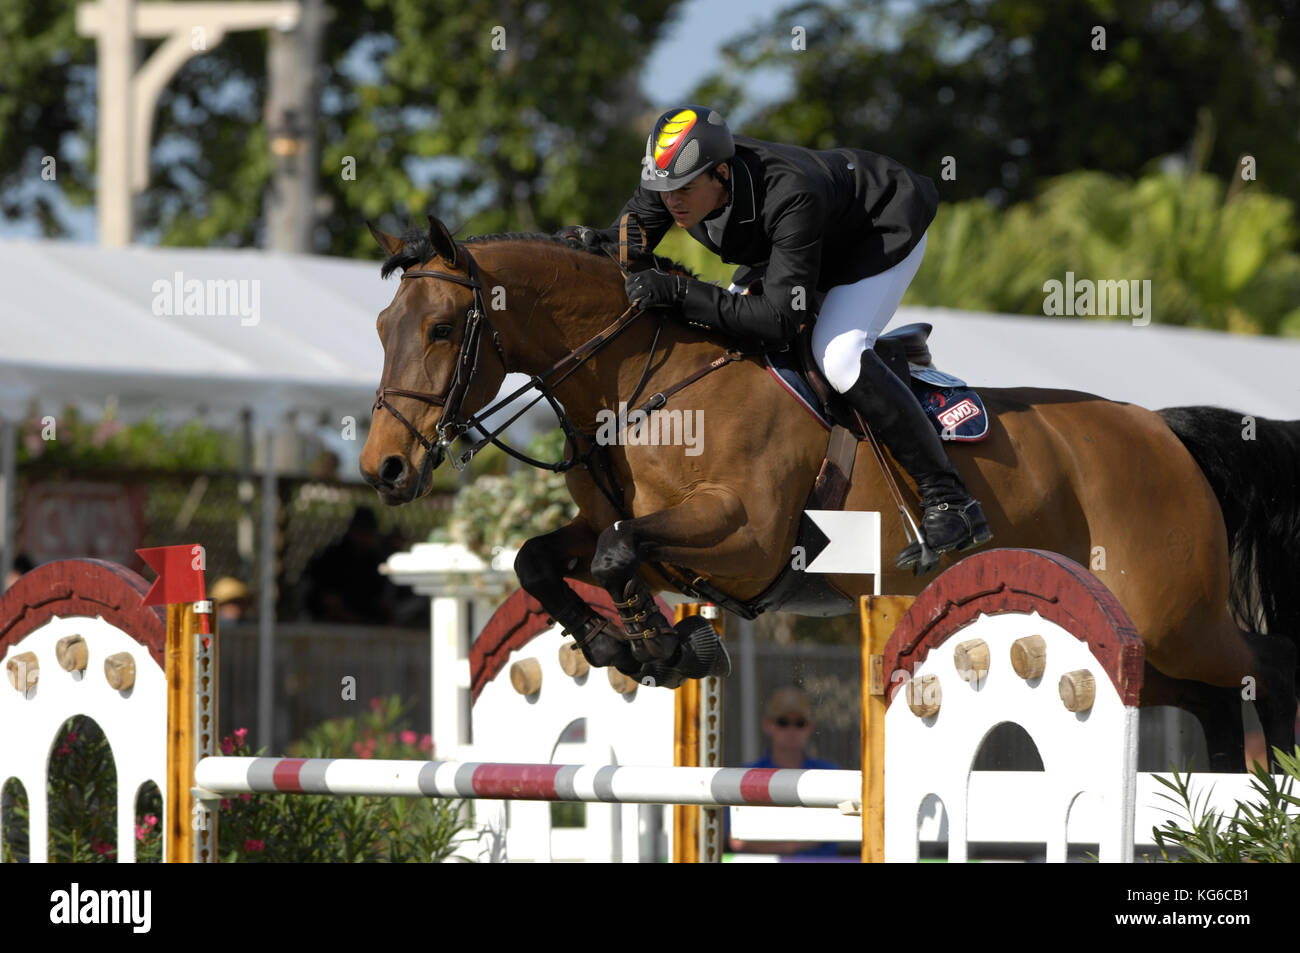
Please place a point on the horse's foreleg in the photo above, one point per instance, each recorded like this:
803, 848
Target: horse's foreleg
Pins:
542, 564
688, 649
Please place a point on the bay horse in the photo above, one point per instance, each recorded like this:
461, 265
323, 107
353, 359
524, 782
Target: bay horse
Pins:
1195, 530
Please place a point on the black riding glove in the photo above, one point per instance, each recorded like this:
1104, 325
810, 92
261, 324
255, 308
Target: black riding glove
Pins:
588, 237
654, 289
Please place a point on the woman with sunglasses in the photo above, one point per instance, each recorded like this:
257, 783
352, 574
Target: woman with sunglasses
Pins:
788, 724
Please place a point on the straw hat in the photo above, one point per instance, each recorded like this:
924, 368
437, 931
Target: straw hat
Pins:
229, 589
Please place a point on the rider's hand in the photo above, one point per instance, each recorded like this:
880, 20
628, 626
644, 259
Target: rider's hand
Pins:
654, 289
587, 237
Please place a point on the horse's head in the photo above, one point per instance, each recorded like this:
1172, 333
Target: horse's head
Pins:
440, 361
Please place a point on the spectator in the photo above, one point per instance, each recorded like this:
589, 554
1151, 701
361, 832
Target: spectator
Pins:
234, 599
23, 564
788, 724
343, 580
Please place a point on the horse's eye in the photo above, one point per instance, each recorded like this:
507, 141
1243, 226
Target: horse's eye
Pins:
440, 332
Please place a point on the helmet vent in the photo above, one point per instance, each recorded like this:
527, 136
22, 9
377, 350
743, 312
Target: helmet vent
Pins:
686, 158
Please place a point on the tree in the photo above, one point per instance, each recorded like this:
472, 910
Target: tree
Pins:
1016, 91
500, 116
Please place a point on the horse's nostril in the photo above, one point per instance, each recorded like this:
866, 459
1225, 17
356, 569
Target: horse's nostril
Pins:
392, 472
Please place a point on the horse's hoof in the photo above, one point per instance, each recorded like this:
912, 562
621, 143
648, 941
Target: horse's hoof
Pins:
659, 675
703, 654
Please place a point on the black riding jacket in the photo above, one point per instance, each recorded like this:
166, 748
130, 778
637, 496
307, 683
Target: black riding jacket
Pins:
815, 219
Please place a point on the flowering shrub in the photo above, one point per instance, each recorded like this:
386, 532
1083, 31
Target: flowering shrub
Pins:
500, 512
295, 828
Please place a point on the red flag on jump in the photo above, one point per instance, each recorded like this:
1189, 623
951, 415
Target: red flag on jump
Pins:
180, 574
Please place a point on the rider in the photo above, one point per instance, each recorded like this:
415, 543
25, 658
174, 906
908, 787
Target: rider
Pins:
841, 233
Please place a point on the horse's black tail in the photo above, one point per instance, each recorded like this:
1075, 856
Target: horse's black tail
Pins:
1253, 465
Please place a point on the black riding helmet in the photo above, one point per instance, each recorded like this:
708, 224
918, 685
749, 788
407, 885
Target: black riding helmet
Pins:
686, 141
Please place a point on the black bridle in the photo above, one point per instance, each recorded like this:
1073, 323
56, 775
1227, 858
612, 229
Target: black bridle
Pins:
454, 422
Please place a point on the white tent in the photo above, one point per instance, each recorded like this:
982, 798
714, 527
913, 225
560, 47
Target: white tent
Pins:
1153, 365
79, 323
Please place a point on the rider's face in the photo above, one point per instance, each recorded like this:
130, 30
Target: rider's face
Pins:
697, 198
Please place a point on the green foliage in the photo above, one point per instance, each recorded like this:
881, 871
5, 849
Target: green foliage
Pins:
284, 828
1015, 92
82, 798
496, 512
1259, 832
74, 441
685, 250
1216, 259
498, 118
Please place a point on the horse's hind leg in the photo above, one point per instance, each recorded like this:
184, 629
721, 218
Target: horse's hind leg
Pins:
1219, 712
1275, 698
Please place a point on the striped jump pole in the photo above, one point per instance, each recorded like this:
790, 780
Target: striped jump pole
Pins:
619, 784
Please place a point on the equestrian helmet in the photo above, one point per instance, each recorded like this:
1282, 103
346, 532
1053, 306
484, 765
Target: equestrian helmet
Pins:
686, 141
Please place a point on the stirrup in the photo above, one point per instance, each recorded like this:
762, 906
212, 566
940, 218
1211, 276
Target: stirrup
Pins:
977, 533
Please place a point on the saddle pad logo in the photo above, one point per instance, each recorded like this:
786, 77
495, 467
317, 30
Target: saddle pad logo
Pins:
670, 136
957, 413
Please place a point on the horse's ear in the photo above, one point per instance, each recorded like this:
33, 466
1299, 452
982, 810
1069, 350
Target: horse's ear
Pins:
442, 242
391, 244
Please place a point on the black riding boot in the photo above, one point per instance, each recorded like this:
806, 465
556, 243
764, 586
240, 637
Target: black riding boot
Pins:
953, 519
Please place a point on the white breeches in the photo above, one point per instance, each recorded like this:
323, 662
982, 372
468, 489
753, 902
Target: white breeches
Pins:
852, 317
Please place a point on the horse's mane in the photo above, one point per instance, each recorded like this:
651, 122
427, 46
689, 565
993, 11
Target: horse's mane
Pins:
418, 248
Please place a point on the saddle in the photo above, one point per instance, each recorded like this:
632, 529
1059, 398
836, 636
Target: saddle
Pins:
898, 349
954, 408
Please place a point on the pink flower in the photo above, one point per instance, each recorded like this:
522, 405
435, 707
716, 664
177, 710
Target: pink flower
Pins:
102, 848
254, 846
426, 743
408, 738
104, 430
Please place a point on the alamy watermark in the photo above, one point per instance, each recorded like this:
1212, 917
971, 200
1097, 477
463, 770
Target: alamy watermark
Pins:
212, 297
651, 428
1087, 298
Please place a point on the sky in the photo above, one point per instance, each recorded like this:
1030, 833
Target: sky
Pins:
688, 49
